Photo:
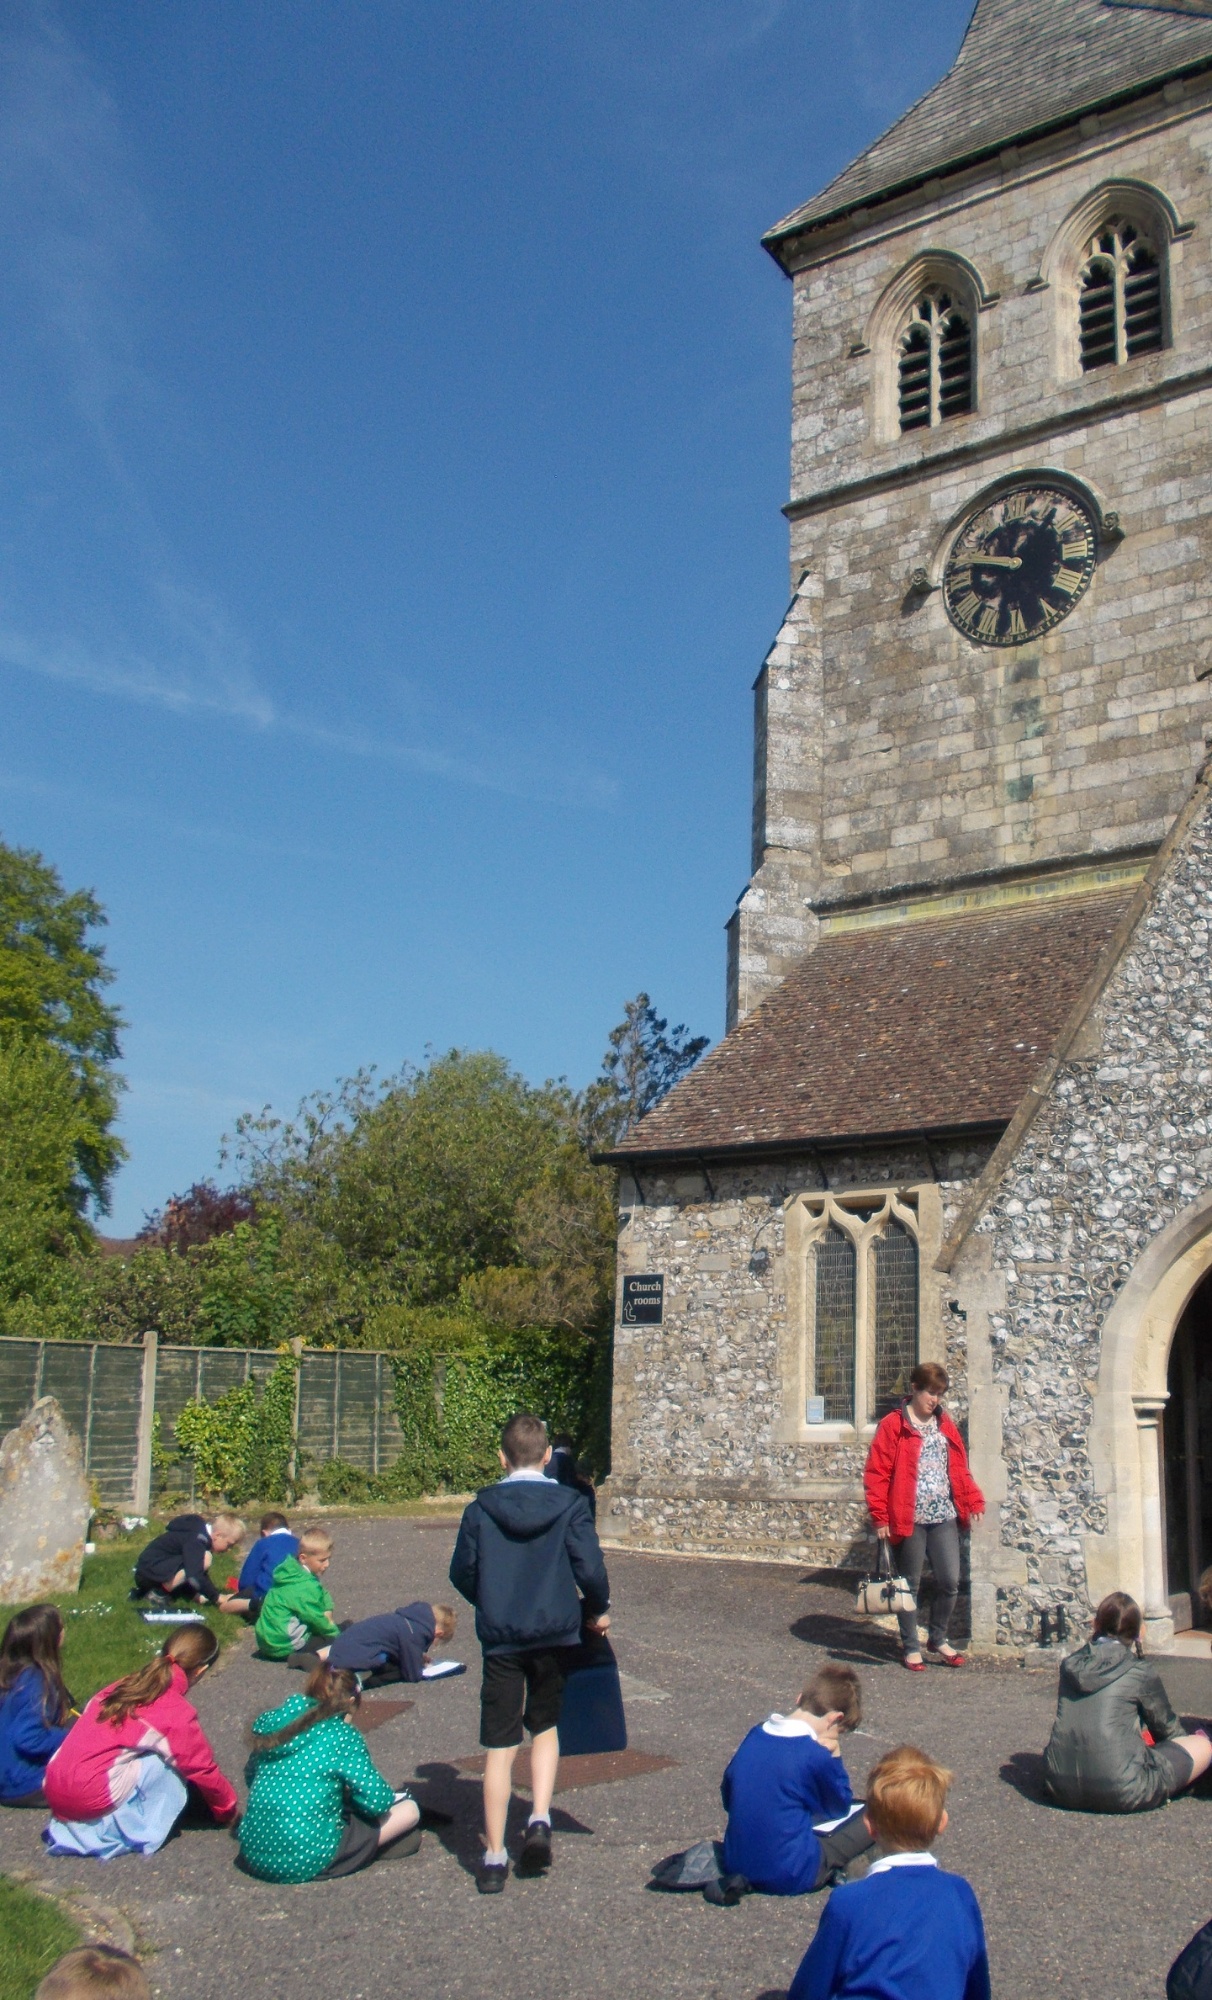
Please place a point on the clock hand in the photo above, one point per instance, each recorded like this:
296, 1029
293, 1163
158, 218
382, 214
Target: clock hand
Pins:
997, 562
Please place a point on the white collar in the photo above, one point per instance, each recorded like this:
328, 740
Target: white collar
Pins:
788, 1725
525, 1472
902, 1861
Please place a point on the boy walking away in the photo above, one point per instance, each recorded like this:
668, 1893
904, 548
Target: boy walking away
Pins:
793, 1825
296, 1616
394, 1647
523, 1548
274, 1543
908, 1929
174, 1567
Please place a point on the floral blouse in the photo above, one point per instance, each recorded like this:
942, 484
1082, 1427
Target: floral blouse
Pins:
934, 1502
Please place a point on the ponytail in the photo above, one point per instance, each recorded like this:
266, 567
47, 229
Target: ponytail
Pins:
332, 1691
191, 1648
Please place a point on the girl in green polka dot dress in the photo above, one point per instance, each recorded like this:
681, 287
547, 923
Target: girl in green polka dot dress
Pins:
316, 1804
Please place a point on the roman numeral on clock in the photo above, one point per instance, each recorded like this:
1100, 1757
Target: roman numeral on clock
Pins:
968, 606
1068, 580
986, 624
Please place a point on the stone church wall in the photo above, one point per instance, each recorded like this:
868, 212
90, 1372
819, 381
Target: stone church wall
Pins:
1121, 1146
700, 1403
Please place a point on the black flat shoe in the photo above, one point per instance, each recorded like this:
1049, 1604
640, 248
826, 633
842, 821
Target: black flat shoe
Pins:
491, 1877
535, 1858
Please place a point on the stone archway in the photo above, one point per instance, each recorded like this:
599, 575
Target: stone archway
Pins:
1131, 1394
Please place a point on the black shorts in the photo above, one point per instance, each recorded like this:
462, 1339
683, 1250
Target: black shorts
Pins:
521, 1688
1180, 1766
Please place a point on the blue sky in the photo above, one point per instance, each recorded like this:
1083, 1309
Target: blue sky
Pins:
393, 431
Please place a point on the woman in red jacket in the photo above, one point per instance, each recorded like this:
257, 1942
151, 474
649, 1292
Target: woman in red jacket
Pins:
920, 1493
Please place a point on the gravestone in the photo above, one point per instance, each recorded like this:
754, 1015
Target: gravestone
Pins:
44, 1506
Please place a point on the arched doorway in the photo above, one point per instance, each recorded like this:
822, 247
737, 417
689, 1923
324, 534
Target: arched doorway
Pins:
1187, 1458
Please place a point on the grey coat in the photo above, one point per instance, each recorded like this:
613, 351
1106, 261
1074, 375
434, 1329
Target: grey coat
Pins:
1096, 1760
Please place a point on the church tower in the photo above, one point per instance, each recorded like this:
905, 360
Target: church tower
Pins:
964, 1111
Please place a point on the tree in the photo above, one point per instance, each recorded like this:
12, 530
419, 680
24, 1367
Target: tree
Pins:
52, 982
186, 1221
41, 1121
642, 1063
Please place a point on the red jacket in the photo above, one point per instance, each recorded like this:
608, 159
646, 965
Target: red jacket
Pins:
94, 1769
890, 1479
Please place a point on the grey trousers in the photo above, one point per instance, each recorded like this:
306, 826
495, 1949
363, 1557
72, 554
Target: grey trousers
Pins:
938, 1544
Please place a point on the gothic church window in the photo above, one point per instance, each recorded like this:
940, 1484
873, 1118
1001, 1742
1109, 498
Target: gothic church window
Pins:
864, 1278
1120, 311
934, 365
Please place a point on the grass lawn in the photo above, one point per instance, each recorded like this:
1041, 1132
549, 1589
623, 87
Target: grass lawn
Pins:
105, 1636
34, 1933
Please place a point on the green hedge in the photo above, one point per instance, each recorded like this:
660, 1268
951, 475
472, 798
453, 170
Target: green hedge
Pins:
452, 1401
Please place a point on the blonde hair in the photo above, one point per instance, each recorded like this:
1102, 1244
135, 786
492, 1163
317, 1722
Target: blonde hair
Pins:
444, 1621
95, 1972
906, 1799
190, 1647
231, 1524
315, 1541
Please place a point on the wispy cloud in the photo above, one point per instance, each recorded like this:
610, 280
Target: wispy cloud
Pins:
76, 235
232, 838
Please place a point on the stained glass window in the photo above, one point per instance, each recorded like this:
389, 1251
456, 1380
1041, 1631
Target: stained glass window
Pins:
833, 1374
895, 1315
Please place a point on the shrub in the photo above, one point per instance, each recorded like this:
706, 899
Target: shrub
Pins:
337, 1482
241, 1444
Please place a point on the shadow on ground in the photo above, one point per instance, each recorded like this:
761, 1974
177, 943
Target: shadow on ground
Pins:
456, 1803
846, 1638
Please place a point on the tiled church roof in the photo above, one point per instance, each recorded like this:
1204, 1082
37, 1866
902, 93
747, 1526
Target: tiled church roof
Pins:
934, 1025
1024, 65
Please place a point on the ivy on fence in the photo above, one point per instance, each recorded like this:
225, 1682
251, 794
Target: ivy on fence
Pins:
452, 1396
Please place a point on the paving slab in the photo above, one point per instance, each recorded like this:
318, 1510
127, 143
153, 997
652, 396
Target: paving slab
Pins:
1074, 1905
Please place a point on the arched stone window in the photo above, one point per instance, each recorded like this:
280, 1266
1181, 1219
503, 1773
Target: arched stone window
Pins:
861, 1297
934, 363
1120, 304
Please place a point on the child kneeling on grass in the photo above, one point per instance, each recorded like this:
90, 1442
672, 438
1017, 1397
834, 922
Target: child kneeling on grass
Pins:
907, 1929
35, 1708
792, 1821
117, 1783
296, 1616
317, 1807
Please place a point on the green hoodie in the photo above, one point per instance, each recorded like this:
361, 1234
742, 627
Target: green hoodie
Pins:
300, 1792
297, 1612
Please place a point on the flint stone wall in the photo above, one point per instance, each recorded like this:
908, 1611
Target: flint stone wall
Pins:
699, 1403
1122, 1145
44, 1506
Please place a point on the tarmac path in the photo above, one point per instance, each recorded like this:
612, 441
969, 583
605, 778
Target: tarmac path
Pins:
1073, 1905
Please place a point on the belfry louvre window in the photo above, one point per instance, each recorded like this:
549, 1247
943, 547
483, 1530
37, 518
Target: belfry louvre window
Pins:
862, 1306
1119, 304
934, 366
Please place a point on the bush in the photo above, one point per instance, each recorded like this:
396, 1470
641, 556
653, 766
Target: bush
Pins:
241, 1444
338, 1482
453, 1398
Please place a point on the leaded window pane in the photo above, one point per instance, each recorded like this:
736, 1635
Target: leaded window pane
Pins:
896, 1290
833, 1369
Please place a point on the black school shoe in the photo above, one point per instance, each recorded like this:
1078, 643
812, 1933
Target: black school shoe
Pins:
535, 1858
491, 1877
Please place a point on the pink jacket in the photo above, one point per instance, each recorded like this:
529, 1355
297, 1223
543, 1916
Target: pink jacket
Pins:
95, 1767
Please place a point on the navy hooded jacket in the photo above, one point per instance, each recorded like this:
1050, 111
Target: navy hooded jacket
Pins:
397, 1638
524, 1546
184, 1544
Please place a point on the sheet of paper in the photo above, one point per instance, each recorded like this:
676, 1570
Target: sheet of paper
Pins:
439, 1670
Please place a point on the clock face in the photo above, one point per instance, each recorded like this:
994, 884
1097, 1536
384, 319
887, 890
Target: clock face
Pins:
1020, 565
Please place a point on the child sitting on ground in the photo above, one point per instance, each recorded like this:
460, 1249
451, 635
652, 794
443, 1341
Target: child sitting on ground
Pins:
907, 1929
117, 1783
317, 1807
175, 1565
393, 1647
274, 1543
95, 1972
35, 1707
785, 1780
296, 1615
